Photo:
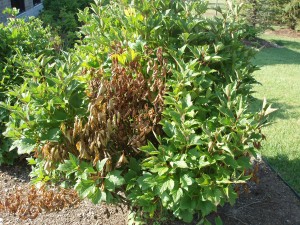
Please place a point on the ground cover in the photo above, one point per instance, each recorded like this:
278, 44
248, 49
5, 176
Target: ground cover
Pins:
280, 79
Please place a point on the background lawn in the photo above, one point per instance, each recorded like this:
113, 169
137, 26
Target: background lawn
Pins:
280, 79
212, 5
279, 75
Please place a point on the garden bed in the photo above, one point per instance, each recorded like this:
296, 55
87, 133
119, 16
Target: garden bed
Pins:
270, 202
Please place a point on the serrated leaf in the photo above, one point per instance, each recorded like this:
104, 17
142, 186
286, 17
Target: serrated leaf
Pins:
206, 208
67, 167
169, 100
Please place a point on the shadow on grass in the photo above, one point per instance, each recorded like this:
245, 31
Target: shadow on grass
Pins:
287, 169
288, 44
285, 55
284, 111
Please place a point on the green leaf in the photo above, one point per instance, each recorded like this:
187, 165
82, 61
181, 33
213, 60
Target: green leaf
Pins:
195, 140
244, 162
160, 170
187, 216
185, 202
114, 180
227, 149
206, 208
178, 195
100, 164
74, 160
169, 128
179, 164
218, 221
134, 165
85, 187
52, 134
149, 148
24, 146
231, 195
145, 181
60, 115
67, 167
169, 184
96, 196
187, 102
186, 180
169, 100
31, 161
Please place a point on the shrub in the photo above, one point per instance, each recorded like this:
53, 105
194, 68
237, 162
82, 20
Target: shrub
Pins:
159, 118
61, 15
261, 15
292, 14
20, 41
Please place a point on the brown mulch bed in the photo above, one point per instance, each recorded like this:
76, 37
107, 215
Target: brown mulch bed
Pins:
284, 32
270, 202
261, 43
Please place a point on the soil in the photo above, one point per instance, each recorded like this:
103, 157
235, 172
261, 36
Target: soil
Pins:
261, 43
284, 32
270, 202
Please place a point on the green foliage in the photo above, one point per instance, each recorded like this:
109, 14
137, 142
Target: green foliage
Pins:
20, 41
150, 109
50, 96
61, 15
260, 15
292, 14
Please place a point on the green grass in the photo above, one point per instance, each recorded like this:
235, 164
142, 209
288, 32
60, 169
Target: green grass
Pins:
280, 79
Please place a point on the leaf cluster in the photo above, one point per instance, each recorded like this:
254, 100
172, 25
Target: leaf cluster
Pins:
61, 15
20, 41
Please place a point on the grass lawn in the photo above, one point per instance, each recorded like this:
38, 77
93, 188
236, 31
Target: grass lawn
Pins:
280, 79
